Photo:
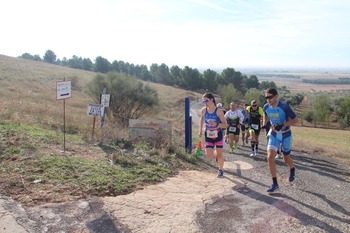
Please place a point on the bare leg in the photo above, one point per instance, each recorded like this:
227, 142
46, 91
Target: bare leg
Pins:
288, 161
220, 158
271, 162
209, 153
231, 137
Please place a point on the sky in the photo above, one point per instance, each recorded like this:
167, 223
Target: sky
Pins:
204, 34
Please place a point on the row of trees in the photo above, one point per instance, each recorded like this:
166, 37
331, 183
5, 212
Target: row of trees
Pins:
337, 81
186, 78
232, 85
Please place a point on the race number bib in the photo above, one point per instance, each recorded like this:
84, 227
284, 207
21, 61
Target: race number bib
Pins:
255, 126
212, 133
232, 129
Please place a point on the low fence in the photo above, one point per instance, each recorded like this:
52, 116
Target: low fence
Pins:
155, 132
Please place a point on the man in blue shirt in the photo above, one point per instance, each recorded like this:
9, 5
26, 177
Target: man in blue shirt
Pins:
281, 117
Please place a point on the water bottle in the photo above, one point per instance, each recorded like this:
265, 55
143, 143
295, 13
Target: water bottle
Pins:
198, 152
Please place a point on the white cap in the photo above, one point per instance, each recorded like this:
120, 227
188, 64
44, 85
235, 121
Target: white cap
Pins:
219, 105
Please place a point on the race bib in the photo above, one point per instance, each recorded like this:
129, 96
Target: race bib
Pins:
212, 133
232, 129
255, 126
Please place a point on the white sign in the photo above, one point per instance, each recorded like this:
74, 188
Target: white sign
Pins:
105, 98
63, 90
95, 110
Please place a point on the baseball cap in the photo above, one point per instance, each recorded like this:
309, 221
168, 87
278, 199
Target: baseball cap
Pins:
253, 102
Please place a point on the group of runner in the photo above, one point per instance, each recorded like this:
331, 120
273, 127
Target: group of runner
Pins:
275, 117
245, 122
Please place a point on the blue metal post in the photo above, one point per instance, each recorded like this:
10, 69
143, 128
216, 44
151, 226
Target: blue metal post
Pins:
188, 126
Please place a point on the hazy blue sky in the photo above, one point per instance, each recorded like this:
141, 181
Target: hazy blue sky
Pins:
197, 33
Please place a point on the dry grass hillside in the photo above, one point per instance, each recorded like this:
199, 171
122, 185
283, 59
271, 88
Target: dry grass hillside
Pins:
28, 95
33, 170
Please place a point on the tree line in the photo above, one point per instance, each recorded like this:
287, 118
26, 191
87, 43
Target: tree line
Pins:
186, 78
230, 84
338, 81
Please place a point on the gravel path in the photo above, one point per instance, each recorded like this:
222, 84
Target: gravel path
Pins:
197, 201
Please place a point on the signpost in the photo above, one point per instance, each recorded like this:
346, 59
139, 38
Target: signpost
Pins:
63, 92
95, 110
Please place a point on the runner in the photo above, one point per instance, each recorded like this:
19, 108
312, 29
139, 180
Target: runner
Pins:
281, 117
268, 132
220, 105
211, 116
255, 114
234, 118
245, 126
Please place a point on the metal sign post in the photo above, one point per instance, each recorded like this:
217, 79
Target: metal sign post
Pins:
64, 91
95, 110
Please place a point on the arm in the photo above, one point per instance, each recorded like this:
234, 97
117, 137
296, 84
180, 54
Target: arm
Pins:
201, 120
291, 122
222, 118
265, 119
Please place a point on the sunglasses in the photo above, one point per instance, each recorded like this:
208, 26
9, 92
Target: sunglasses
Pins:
269, 97
206, 101
254, 105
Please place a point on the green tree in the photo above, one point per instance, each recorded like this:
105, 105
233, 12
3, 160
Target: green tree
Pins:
229, 75
175, 73
190, 78
102, 65
50, 57
27, 56
130, 98
229, 94
210, 80
255, 94
251, 82
322, 108
267, 84
343, 112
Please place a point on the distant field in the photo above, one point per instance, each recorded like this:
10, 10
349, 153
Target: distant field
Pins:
295, 84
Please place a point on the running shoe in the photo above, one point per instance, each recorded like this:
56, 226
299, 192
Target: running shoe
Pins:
220, 173
252, 154
292, 175
273, 188
256, 152
231, 150
235, 146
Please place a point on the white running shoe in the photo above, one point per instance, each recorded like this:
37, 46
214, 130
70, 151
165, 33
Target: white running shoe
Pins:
252, 154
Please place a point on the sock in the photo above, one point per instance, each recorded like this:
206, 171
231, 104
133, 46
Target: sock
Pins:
252, 144
292, 171
274, 180
256, 145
